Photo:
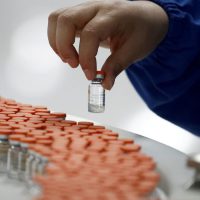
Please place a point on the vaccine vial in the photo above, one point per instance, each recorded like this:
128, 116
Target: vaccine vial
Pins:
4, 147
13, 153
23, 156
96, 94
28, 168
35, 165
42, 165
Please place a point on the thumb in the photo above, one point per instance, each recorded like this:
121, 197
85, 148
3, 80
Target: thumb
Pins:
115, 64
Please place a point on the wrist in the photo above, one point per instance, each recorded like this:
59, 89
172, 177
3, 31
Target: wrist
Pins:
154, 19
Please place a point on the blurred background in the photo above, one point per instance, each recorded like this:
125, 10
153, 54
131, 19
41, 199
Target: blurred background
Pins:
31, 72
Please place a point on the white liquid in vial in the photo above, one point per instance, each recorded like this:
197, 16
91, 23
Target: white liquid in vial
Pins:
96, 101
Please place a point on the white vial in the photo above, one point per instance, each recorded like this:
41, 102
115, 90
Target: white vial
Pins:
96, 94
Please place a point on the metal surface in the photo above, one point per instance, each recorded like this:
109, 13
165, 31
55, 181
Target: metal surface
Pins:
171, 164
176, 176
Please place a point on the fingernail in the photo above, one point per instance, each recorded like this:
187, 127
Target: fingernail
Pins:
108, 85
63, 59
88, 74
56, 51
70, 62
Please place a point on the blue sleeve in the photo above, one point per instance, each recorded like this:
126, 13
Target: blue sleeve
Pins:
166, 77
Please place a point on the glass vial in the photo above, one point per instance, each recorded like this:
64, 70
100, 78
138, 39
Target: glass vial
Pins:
4, 147
96, 94
35, 165
12, 162
29, 163
42, 166
26, 142
22, 157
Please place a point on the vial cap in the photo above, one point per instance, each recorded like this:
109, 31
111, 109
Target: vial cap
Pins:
5, 132
45, 142
59, 115
100, 74
43, 151
16, 137
42, 137
71, 122
85, 123
20, 131
28, 140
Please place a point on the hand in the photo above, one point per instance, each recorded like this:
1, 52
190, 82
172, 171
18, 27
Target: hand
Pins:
131, 29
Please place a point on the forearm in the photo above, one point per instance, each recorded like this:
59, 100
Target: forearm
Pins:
173, 66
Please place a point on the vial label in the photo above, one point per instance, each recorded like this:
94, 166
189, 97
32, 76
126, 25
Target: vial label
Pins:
96, 99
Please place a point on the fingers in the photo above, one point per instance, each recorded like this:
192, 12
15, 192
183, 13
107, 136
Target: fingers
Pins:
51, 31
97, 30
63, 27
65, 38
89, 44
94, 27
116, 63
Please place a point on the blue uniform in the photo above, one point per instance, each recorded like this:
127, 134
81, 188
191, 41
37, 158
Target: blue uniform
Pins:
169, 78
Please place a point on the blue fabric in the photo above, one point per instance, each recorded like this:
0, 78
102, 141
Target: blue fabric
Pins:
169, 78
